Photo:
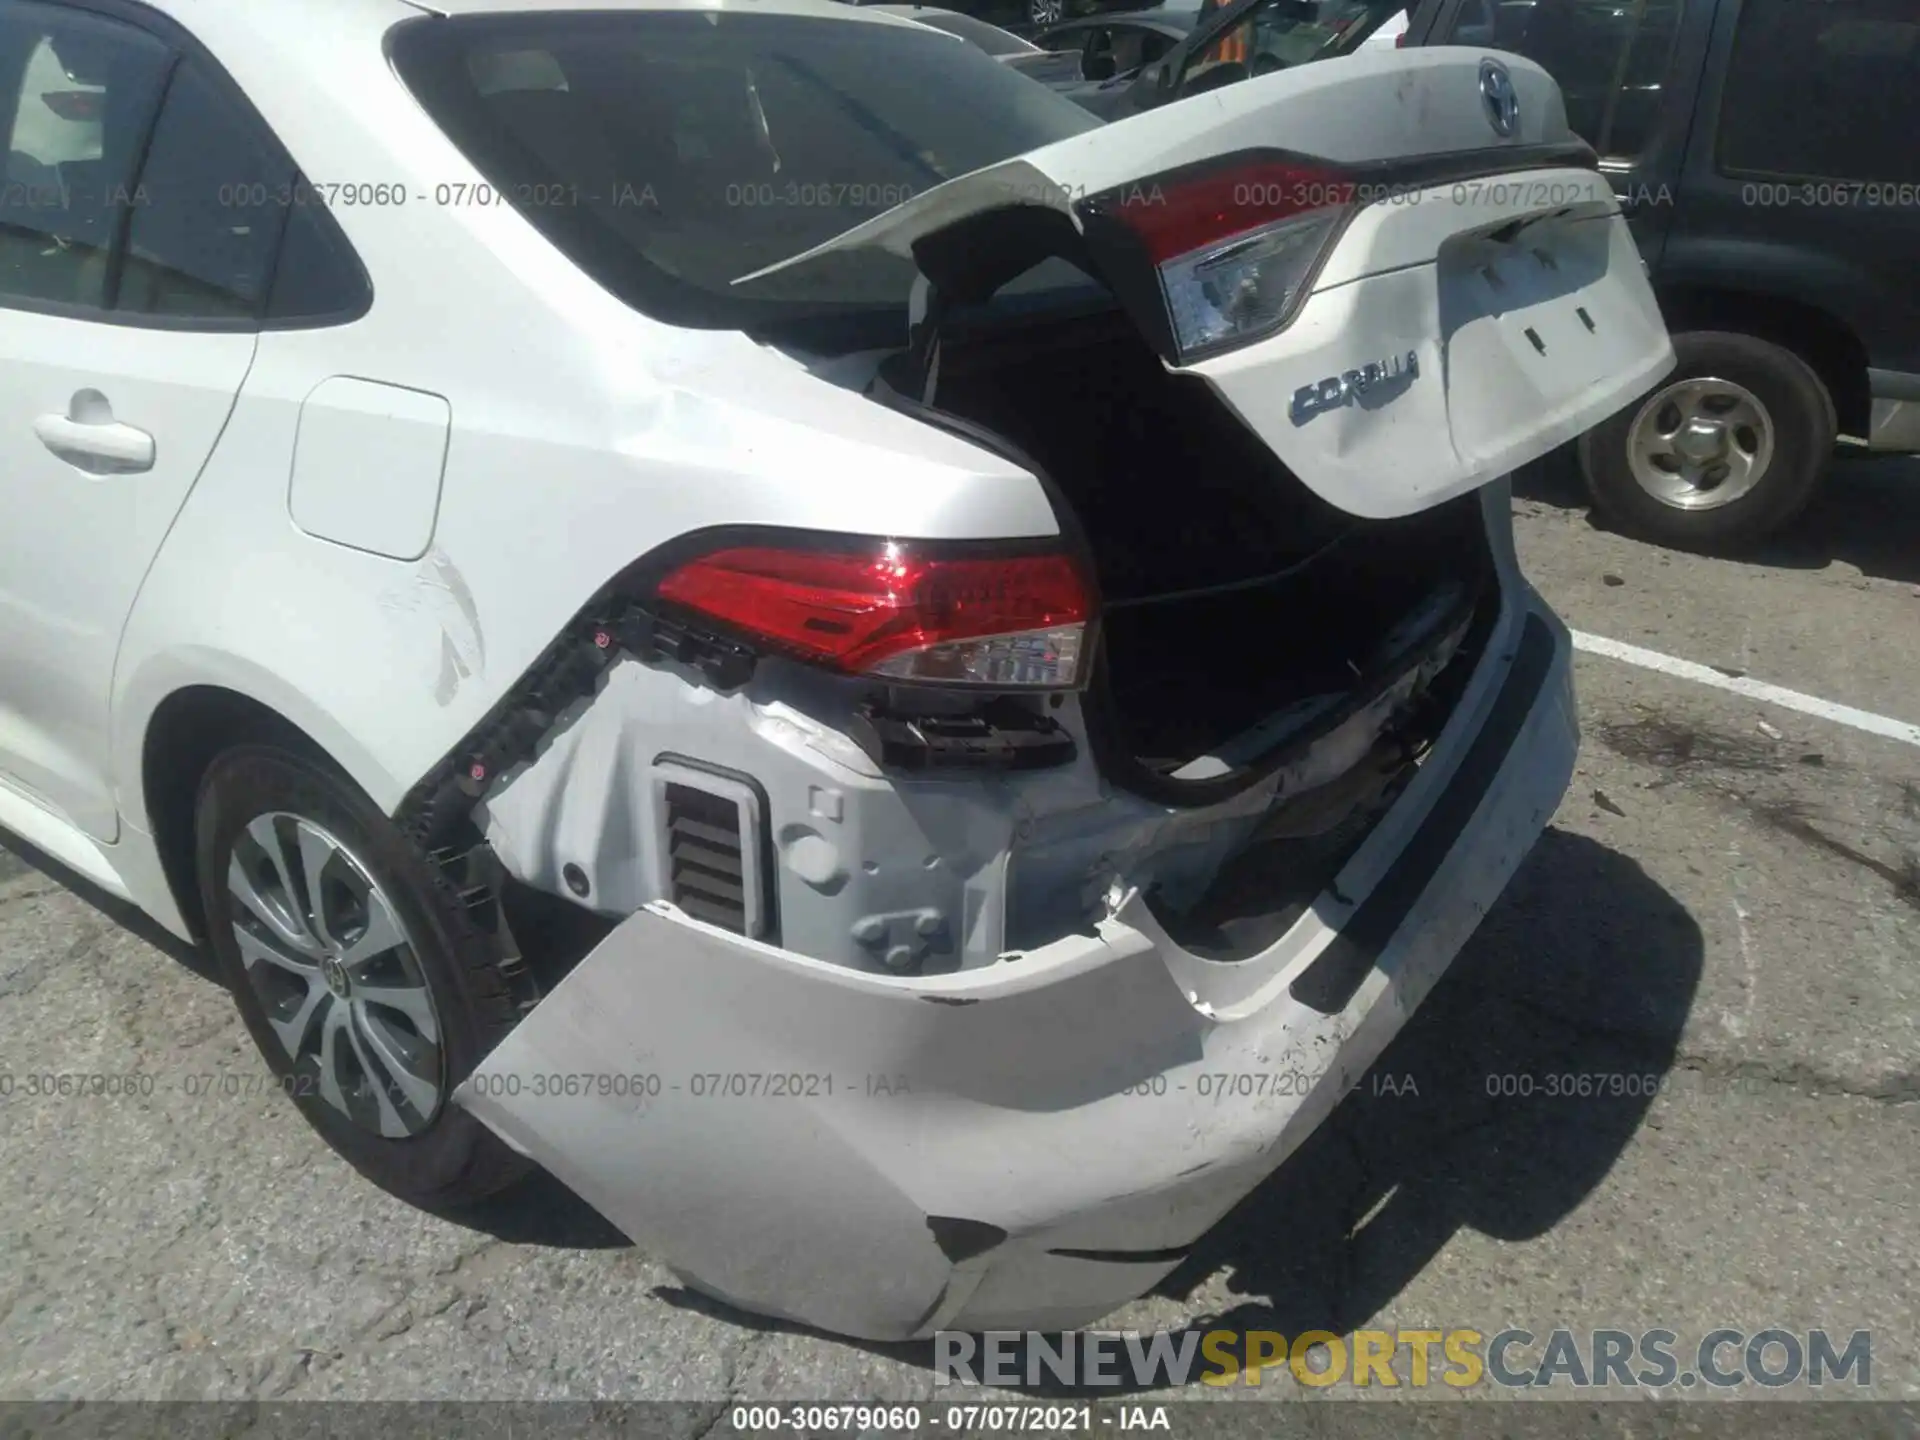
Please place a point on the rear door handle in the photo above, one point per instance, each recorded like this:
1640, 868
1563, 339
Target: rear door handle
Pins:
91, 439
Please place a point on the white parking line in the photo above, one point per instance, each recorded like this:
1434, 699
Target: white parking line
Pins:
1753, 689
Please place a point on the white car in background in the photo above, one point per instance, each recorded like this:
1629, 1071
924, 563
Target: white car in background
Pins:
1390, 36
981, 618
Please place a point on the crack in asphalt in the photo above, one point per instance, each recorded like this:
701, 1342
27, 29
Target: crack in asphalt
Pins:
734, 1367
1900, 1088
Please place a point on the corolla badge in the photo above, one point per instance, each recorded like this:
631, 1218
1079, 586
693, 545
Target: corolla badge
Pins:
1337, 390
1498, 96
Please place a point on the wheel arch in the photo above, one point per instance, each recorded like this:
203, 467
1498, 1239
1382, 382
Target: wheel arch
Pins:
1825, 342
187, 728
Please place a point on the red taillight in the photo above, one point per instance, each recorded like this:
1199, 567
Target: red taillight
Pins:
73, 104
901, 611
1177, 216
1400, 41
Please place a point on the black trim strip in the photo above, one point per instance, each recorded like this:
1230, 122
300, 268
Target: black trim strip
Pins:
118, 242
1173, 1255
960, 1240
1331, 982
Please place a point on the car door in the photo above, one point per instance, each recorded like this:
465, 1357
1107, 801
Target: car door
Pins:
1629, 74
130, 291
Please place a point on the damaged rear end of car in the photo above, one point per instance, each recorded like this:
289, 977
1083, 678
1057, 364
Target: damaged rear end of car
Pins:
986, 918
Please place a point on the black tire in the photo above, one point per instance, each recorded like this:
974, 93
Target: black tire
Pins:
1804, 433
454, 1160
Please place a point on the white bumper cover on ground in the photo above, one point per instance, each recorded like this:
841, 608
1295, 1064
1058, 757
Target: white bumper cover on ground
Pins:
1033, 1143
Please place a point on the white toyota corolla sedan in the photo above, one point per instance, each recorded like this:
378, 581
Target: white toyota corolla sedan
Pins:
1002, 632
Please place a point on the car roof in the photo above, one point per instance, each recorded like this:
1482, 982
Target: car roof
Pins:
378, 15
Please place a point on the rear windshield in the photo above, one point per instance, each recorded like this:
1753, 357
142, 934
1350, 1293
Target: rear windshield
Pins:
669, 152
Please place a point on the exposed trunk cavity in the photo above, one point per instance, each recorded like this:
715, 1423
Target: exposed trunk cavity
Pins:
1242, 615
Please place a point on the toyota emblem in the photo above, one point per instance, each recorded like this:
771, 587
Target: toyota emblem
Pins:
1497, 94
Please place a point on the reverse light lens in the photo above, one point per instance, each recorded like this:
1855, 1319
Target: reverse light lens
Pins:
1246, 286
903, 612
1234, 241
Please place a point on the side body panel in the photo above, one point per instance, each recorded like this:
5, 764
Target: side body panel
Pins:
582, 435
81, 528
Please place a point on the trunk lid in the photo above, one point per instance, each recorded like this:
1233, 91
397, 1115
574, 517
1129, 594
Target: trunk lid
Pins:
1464, 296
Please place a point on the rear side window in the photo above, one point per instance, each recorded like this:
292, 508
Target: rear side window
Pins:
76, 95
317, 278
1829, 90
224, 228
139, 185
207, 216
1611, 62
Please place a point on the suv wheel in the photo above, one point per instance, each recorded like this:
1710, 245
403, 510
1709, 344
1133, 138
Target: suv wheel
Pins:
370, 994
1046, 12
1728, 449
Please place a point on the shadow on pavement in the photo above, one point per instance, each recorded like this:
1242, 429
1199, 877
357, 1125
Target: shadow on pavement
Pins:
541, 1211
1865, 514
127, 916
538, 1211
1586, 968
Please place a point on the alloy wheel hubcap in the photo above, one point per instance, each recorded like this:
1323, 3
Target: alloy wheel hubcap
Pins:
335, 974
1700, 443
332, 964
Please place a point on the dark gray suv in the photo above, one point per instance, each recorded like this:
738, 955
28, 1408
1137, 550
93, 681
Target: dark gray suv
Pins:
1766, 153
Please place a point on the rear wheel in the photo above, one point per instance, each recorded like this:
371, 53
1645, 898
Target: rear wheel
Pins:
1727, 450
369, 993
1046, 12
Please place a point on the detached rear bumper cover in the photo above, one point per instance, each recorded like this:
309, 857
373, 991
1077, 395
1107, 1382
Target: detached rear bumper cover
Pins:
1031, 1144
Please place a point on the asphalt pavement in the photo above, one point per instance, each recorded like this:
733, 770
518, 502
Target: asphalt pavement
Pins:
1728, 902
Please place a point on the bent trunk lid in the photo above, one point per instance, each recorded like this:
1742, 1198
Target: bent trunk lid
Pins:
1505, 310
